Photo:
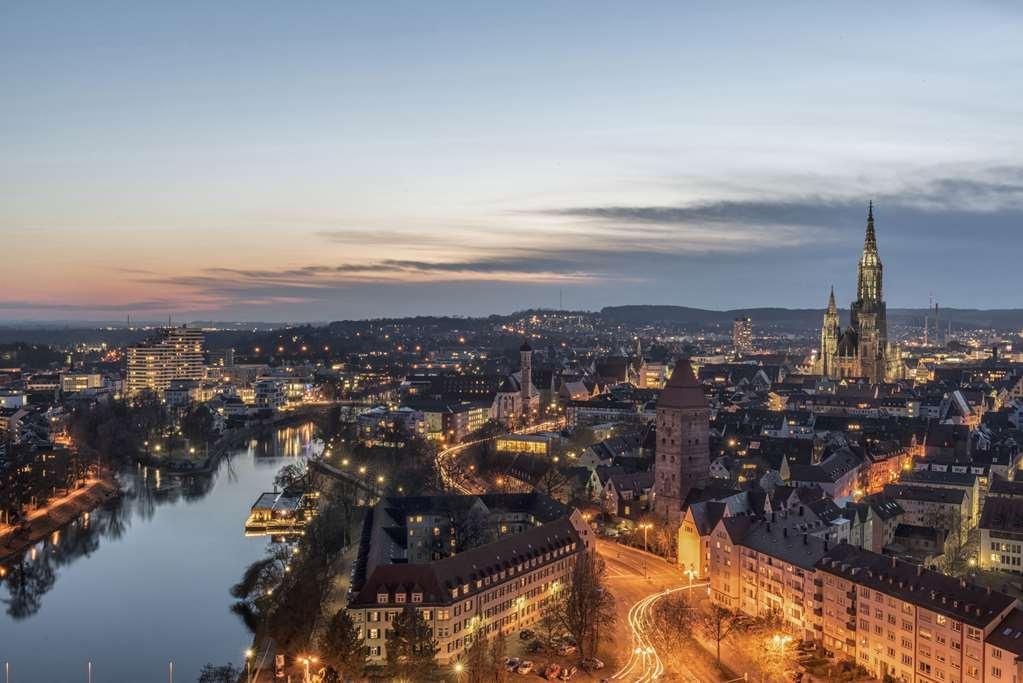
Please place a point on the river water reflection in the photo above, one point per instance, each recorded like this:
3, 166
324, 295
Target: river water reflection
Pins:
136, 585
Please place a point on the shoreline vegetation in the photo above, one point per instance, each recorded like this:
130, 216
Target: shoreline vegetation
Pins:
46, 521
16, 539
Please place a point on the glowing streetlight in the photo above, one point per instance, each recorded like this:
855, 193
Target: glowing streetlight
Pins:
248, 664
645, 527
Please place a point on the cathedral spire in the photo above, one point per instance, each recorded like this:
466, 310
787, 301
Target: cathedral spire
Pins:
870, 242
832, 308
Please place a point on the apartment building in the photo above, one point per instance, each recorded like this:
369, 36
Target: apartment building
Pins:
497, 587
926, 506
173, 353
1001, 534
761, 567
900, 620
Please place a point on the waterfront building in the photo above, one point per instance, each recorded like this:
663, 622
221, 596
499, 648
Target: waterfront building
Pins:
173, 353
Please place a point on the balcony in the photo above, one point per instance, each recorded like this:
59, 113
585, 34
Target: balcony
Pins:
850, 625
818, 612
851, 611
818, 597
851, 595
819, 583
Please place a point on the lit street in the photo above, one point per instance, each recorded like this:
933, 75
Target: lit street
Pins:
638, 580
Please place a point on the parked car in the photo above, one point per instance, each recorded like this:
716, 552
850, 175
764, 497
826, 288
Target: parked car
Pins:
566, 649
526, 634
591, 664
512, 663
551, 671
534, 647
568, 673
526, 667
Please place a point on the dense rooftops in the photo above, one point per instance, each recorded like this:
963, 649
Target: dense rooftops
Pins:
931, 590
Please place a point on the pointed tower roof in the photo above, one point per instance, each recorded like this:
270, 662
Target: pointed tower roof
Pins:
682, 390
870, 241
525, 346
832, 307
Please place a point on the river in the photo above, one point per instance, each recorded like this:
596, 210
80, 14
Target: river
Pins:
144, 582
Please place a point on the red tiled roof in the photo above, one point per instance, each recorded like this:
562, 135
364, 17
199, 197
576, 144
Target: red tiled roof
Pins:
682, 390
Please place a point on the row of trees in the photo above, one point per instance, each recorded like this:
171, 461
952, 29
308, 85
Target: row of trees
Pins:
29, 478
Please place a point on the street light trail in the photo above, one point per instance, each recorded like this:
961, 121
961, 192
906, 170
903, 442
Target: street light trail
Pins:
644, 663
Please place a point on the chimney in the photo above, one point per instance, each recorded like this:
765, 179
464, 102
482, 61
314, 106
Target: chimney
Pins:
805, 542
825, 545
919, 570
893, 562
785, 533
800, 510
962, 583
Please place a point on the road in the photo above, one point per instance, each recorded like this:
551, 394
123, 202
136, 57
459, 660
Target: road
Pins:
465, 483
638, 581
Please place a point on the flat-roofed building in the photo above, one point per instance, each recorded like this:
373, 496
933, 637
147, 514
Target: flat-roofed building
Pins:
173, 353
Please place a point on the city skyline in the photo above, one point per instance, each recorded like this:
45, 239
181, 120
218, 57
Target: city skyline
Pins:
327, 163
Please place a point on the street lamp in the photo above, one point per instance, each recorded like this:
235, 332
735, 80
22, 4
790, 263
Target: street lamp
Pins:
307, 661
645, 527
691, 573
248, 665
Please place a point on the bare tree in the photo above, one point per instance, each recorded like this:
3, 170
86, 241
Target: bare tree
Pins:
675, 616
477, 660
498, 652
589, 608
716, 624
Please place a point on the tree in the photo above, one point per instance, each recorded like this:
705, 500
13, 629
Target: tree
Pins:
588, 607
341, 647
552, 617
716, 624
289, 475
477, 661
674, 616
471, 528
411, 647
225, 673
197, 425
554, 484
498, 653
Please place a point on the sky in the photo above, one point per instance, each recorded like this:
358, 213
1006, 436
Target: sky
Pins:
309, 161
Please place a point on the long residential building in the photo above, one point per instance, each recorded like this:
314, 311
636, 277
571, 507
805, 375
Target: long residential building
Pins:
896, 619
409, 555
174, 353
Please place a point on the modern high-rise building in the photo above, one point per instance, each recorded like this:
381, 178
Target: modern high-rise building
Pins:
173, 353
682, 451
862, 350
742, 335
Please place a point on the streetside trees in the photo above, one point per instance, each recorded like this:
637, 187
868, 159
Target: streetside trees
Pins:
717, 624
589, 608
498, 653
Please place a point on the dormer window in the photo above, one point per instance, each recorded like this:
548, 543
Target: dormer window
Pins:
417, 597
381, 598
399, 597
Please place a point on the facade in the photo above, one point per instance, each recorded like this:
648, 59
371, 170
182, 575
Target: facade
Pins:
682, 460
900, 620
73, 382
174, 353
862, 350
1001, 535
742, 336
496, 587
517, 401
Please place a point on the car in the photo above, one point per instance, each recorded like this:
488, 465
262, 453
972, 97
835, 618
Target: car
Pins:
568, 638
568, 673
526, 667
551, 671
526, 634
512, 663
591, 664
566, 649
534, 647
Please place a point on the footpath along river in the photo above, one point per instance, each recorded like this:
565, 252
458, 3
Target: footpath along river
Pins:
144, 582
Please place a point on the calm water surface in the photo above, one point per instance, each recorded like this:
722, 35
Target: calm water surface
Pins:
146, 581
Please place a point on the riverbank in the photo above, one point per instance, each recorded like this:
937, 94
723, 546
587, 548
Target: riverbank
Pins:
44, 521
233, 439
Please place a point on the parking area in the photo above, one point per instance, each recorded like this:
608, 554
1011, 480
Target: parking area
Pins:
529, 658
